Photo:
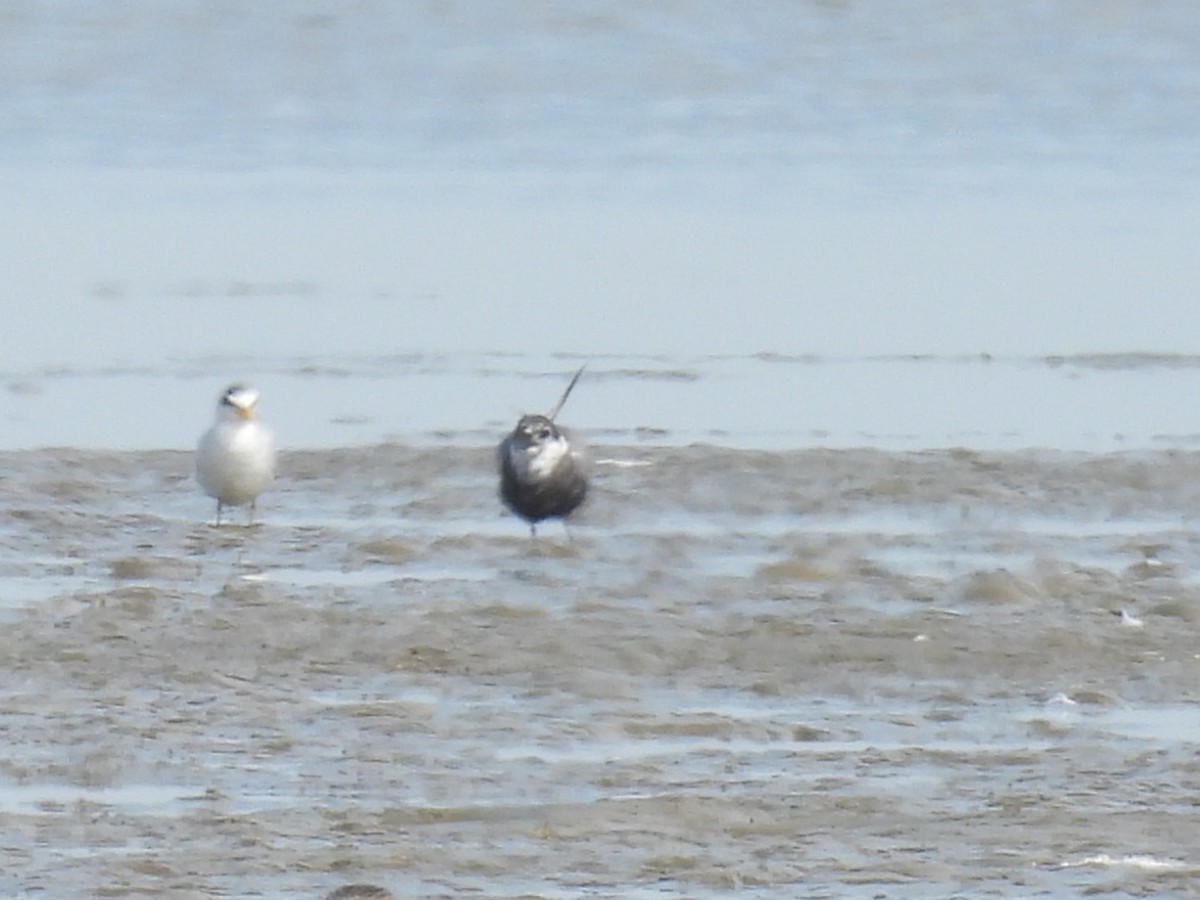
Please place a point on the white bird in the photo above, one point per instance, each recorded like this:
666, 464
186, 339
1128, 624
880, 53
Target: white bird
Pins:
236, 458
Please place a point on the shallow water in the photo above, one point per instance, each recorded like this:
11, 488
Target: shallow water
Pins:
857, 673
748, 401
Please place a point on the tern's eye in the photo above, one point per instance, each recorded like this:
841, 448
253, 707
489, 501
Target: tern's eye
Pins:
543, 434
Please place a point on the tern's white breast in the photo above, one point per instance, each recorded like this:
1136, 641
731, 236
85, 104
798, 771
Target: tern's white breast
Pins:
235, 461
539, 460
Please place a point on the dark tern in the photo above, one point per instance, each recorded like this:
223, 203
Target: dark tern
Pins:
541, 475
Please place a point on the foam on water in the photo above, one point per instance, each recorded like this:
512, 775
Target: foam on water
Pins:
1132, 861
154, 798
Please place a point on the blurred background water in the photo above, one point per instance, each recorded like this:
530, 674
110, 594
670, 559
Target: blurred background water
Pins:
394, 216
839, 91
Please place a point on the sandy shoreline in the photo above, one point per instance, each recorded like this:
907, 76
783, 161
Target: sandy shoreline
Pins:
839, 673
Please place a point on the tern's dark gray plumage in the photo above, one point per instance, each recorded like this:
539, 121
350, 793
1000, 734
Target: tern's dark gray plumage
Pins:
541, 475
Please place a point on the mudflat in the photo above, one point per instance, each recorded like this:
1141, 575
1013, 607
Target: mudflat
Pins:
814, 673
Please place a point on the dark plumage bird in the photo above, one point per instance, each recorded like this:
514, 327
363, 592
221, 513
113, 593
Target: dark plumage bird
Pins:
541, 475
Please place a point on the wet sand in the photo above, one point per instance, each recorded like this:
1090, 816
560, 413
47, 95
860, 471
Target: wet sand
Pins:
814, 673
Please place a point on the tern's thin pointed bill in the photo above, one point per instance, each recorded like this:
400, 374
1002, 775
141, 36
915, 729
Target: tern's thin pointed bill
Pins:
242, 400
553, 414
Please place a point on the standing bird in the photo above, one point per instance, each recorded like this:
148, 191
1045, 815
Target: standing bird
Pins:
236, 458
541, 477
